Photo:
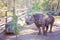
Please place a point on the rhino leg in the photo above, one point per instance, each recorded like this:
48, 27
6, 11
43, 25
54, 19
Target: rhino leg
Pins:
46, 28
51, 27
39, 29
44, 31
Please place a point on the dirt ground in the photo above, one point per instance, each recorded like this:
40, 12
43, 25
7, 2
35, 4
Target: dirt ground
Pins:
30, 33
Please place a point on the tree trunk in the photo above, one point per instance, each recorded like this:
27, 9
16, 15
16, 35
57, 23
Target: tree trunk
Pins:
58, 9
51, 5
57, 5
6, 17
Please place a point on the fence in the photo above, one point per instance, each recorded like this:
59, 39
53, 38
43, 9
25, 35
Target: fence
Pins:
9, 18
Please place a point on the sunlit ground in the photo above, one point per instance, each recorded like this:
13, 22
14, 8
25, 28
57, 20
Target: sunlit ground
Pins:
30, 33
57, 17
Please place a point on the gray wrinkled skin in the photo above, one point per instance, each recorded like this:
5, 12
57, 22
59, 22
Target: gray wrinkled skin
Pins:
41, 20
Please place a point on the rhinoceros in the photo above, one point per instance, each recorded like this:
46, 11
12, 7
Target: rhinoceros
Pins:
41, 20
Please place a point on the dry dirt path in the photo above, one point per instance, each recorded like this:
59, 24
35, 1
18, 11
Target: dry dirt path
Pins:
30, 33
